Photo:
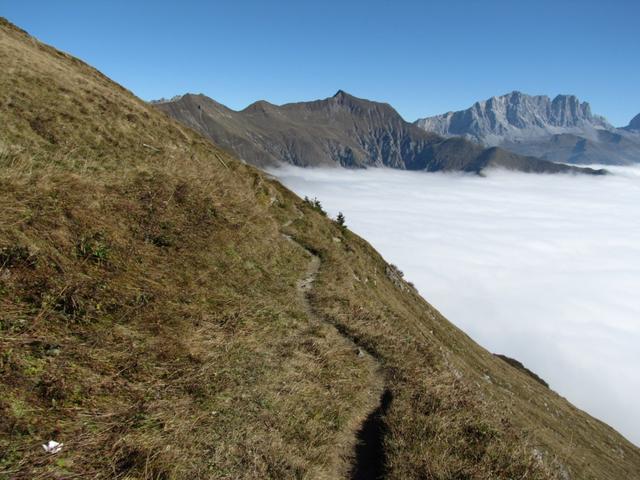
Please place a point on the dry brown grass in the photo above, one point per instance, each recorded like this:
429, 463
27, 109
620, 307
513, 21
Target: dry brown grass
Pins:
149, 317
457, 412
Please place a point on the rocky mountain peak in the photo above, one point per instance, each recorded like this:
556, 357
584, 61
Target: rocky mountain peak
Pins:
516, 116
568, 111
562, 129
522, 110
261, 106
634, 124
343, 98
359, 106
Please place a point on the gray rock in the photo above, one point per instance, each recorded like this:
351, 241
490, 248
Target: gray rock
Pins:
634, 124
559, 130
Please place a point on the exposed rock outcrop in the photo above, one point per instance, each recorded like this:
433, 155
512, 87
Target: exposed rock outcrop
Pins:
562, 129
634, 124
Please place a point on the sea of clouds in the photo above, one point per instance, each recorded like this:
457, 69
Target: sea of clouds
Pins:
543, 268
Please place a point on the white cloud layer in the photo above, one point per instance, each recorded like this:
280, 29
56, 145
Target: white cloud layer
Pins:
543, 268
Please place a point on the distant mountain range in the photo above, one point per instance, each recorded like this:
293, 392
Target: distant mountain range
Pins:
560, 130
341, 130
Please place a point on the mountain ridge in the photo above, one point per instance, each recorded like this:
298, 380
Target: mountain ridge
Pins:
339, 130
561, 129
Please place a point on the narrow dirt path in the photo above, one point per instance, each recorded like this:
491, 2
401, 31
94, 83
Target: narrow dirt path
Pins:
359, 453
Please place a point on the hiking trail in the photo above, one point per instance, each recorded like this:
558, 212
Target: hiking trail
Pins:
360, 455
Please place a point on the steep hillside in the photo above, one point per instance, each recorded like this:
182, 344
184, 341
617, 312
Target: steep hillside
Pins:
558, 130
168, 312
342, 130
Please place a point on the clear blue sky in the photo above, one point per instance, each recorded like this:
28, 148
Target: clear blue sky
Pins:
423, 57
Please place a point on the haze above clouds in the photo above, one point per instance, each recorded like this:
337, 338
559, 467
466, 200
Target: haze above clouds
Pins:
543, 268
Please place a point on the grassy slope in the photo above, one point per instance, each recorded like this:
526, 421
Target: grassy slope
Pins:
149, 316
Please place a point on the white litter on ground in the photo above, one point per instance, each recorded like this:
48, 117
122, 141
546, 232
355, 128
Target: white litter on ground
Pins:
52, 446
